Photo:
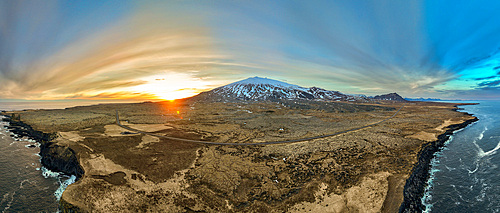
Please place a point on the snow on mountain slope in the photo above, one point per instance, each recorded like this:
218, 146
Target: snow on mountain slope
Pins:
259, 89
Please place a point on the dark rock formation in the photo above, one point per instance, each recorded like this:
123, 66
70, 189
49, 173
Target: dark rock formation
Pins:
416, 183
60, 159
53, 157
390, 97
23, 130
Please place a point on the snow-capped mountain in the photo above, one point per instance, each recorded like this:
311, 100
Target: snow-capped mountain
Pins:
259, 89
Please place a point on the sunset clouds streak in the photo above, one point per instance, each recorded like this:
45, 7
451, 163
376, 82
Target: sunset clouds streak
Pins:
94, 49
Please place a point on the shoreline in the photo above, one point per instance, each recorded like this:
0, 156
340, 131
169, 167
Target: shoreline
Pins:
54, 158
64, 159
415, 185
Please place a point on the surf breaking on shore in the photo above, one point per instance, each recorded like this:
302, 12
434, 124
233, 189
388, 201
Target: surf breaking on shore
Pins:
20, 132
420, 182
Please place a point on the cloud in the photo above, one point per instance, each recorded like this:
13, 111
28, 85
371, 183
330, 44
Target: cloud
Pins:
486, 78
143, 43
114, 96
385, 48
489, 84
54, 50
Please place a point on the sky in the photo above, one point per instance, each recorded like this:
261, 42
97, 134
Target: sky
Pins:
163, 50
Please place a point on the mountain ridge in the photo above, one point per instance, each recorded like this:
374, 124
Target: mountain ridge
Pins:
266, 89
390, 97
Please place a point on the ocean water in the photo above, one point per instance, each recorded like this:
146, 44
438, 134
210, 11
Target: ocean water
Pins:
26, 186
465, 175
22, 105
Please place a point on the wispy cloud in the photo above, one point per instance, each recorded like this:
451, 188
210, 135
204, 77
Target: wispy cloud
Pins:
62, 49
114, 58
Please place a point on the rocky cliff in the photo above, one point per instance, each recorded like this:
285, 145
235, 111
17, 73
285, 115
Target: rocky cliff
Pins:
54, 157
416, 183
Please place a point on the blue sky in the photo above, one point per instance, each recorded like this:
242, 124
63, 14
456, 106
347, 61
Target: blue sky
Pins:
170, 49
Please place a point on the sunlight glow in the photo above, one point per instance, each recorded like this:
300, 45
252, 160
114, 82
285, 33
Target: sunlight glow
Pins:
171, 86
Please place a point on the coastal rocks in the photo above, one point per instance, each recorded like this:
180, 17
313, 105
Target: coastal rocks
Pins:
415, 184
53, 157
23, 130
60, 159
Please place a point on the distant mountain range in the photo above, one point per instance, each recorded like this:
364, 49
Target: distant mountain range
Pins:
430, 99
265, 89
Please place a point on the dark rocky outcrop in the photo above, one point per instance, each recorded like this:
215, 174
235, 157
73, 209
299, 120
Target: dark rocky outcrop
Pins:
416, 183
390, 97
60, 159
54, 157
23, 130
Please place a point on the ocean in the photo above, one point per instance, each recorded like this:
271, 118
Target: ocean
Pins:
465, 175
26, 186
22, 105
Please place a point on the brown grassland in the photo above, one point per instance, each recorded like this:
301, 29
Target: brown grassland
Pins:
359, 171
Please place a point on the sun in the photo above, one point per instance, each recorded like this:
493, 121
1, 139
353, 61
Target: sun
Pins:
172, 86
174, 95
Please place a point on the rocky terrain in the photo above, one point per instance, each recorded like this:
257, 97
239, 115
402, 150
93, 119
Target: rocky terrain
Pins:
360, 171
380, 168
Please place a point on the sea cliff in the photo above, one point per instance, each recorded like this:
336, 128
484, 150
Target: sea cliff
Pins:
54, 157
416, 183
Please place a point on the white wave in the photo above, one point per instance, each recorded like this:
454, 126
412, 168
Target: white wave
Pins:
4, 197
21, 185
427, 198
47, 173
481, 135
28, 145
63, 186
482, 153
449, 168
10, 202
475, 170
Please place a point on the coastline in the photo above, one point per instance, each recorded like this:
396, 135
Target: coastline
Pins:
53, 157
414, 188
64, 159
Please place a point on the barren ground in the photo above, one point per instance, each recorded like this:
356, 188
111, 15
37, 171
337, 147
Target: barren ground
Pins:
360, 171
